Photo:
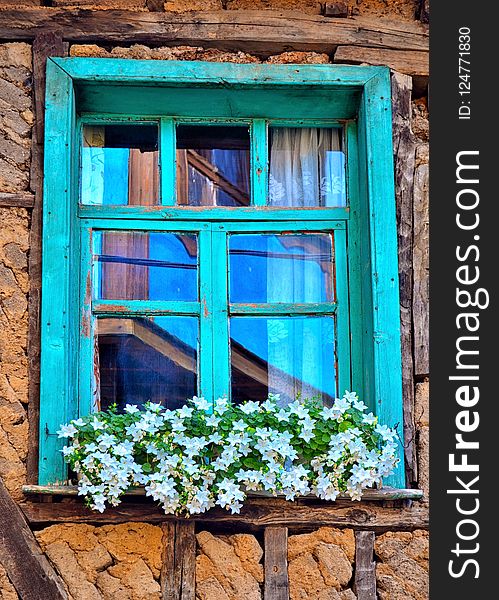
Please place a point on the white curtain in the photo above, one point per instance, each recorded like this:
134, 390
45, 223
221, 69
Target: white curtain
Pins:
307, 167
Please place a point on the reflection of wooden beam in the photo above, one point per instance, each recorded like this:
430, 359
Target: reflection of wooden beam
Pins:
204, 167
150, 338
241, 359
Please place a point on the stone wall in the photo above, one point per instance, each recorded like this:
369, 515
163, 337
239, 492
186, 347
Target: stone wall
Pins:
123, 562
16, 119
400, 9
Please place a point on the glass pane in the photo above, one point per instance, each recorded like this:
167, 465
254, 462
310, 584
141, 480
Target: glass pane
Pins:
281, 267
143, 359
139, 265
290, 356
213, 165
119, 165
307, 167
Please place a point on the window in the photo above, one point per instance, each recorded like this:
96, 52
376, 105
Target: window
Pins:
216, 229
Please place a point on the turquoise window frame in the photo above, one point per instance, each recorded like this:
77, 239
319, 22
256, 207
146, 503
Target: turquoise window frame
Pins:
110, 90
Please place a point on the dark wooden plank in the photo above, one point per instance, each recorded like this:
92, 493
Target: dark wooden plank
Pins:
365, 568
178, 573
420, 305
255, 513
27, 567
16, 200
404, 157
276, 585
44, 45
251, 31
424, 11
413, 62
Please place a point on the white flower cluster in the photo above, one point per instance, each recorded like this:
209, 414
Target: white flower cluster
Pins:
198, 456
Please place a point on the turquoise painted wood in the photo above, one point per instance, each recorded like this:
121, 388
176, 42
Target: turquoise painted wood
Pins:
220, 317
368, 344
142, 307
387, 367
181, 213
207, 309
168, 161
259, 162
199, 73
86, 375
58, 377
281, 308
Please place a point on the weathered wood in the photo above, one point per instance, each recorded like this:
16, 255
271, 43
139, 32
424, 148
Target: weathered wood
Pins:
383, 494
44, 45
276, 564
336, 9
27, 567
404, 153
178, 572
424, 11
16, 200
413, 62
251, 31
365, 568
420, 303
255, 513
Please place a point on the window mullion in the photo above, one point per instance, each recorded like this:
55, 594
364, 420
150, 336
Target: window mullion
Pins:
86, 375
219, 315
205, 351
259, 162
167, 161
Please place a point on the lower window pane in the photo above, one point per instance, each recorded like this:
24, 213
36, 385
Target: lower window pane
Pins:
141, 359
290, 356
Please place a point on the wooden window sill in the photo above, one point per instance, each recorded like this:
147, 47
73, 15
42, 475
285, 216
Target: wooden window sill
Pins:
387, 509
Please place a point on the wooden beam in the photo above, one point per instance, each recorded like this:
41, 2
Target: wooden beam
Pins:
27, 567
16, 200
256, 513
420, 295
365, 568
404, 148
276, 564
247, 30
45, 44
410, 62
178, 573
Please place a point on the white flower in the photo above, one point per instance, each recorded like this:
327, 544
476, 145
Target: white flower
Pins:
67, 431
201, 403
350, 396
268, 405
221, 405
250, 407
131, 409
78, 423
212, 420
341, 405
185, 412
96, 424
369, 419
239, 425
385, 432
358, 404
282, 415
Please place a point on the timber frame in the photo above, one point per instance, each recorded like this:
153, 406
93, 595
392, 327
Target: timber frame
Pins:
360, 93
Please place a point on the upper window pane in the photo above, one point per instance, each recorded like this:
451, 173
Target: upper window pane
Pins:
292, 268
213, 165
119, 165
307, 167
139, 265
